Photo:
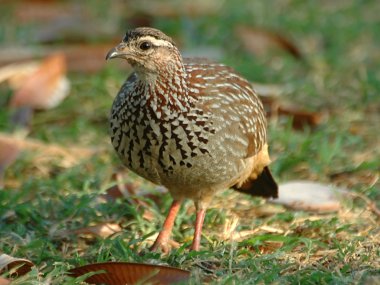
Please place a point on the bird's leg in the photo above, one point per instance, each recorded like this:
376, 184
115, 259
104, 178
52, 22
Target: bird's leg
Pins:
163, 237
198, 229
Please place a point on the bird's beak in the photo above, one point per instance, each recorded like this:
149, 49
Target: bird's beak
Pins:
121, 50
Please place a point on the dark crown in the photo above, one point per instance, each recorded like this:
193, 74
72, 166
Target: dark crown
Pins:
146, 31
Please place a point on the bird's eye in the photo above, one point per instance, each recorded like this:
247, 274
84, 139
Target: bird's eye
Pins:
145, 45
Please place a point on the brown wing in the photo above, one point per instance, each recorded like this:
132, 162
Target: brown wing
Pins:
236, 107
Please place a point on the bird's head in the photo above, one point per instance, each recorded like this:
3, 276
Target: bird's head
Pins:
148, 50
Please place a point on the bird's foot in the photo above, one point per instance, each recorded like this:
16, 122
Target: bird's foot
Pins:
161, 243
164, 246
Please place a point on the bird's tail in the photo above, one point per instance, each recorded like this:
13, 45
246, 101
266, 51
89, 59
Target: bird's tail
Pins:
264, 185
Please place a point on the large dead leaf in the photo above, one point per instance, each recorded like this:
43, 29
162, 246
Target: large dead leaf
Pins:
46, 87
116, 273
14, 266
301, 118
309, 196
126, 191
259, 41
276, 107
132, 192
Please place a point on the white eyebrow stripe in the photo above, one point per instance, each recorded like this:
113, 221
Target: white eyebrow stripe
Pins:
156, 42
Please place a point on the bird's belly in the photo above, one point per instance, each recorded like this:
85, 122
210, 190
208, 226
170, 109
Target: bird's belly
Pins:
170, 167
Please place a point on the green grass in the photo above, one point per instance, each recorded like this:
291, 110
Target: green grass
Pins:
340, 74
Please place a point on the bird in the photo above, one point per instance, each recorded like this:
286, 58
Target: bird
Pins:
191, 125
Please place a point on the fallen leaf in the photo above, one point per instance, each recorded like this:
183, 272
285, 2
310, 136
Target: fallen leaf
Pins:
309, 196
14, 266
131, 192
46, 87
301, 118
270, 95
116, 273
103, 230
121, 189
259, 41
270, 246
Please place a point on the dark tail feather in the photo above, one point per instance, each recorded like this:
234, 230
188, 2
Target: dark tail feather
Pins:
264, 185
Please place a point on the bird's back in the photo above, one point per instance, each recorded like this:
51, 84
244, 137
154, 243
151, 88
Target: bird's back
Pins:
238, 114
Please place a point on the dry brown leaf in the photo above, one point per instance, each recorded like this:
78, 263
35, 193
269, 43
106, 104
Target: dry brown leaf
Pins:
260, 41
14, 266
103, 230
309, 196
132, 192
270, 95
46, 87
301, 118
270, 246
117, 273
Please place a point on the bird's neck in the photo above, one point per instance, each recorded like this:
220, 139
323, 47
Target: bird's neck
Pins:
167, 92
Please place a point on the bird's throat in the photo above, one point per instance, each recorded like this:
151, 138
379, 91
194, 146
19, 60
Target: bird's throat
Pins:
164, 94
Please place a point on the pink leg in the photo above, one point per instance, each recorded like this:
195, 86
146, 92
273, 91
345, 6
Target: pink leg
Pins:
198, 229
163, 237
